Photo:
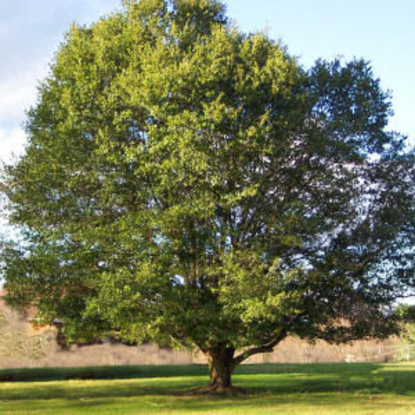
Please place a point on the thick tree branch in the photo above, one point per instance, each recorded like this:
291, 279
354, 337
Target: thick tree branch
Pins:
268, 347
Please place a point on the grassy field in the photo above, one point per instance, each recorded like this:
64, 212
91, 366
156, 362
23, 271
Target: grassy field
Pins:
285, 389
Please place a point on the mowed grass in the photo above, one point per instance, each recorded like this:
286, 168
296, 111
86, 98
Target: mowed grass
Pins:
286, 389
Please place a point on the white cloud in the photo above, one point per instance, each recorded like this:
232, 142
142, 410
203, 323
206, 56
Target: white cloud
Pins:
30, 31
11, 144
17, 93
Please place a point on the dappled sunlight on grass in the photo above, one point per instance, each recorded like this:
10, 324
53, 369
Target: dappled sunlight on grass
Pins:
290, 389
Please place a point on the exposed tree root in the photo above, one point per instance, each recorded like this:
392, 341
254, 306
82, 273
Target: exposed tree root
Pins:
215, 391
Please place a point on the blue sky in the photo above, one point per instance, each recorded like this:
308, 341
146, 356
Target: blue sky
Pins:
381, 31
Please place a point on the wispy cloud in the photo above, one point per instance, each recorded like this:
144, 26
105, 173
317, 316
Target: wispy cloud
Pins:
30, 32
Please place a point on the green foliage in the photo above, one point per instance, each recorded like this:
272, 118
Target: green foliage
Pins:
187, 183
406, 314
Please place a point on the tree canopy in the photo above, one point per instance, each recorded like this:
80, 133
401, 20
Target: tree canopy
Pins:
189, 184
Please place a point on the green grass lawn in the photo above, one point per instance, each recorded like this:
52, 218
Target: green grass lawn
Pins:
284, 389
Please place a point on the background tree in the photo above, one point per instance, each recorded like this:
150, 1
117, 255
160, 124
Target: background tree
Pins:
406, 314
188, 184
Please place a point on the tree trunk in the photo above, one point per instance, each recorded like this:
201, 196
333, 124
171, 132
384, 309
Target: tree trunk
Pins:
221, 367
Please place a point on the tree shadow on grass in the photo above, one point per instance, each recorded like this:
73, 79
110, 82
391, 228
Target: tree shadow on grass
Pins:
101, 372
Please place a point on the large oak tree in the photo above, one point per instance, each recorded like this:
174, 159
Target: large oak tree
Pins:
188, 184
